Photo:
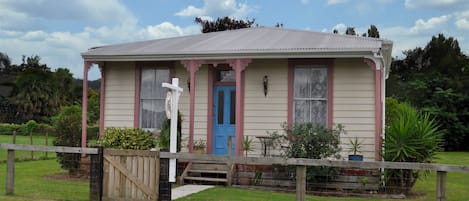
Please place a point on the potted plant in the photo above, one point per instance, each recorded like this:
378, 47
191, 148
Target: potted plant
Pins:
199, 147
355, 148
247, 145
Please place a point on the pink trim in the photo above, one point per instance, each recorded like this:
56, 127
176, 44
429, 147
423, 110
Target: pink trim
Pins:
378, 115
210, 111
138, 78
84, 109
239, 65
378, 108
330, 82
192, 66
102, 94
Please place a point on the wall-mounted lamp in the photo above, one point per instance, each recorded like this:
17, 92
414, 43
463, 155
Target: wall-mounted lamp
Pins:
265, 81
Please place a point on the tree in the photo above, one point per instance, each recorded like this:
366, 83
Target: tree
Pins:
373, 31
436, 79
65, 85
34, 94
222, 24
350, 31
5, 61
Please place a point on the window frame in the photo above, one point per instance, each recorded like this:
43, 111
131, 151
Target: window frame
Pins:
138, 105
311, 99
328, 64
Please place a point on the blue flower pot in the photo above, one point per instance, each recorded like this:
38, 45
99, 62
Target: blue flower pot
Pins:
355, 157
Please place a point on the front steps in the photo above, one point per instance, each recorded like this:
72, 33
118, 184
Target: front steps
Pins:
206, 172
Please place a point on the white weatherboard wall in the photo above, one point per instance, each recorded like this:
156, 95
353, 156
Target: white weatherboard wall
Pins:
265, 113
354, 107
119, 95
201, 94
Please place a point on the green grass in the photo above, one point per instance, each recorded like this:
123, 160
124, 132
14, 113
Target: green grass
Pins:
457, 187
30, 183
26, 155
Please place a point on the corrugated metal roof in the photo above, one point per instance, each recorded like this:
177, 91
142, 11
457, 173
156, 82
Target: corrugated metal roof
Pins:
242, 42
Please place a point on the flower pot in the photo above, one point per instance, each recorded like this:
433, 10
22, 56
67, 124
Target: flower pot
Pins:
355, 157
198, 151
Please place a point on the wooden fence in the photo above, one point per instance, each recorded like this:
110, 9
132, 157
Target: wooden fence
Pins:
130, 167
131, 175
302, 163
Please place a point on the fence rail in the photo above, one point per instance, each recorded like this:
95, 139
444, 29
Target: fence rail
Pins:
317, 162
300, 163
61, 149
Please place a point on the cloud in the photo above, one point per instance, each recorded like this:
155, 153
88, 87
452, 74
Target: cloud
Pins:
334, 2
462, 20
27, 15
432, 23
304, 1
62, 49
420, 34
217, 8
437, 4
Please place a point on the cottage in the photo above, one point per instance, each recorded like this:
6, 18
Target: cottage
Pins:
246, 82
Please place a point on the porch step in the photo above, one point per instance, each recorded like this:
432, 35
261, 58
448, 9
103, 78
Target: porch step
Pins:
207, 172
207, 179
210, 171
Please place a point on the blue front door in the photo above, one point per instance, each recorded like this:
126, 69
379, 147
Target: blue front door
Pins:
223, 118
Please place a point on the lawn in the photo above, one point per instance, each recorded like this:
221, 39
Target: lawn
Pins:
31, 184
22, 155
457, 187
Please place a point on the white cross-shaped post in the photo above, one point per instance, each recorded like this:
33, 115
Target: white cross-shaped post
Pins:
175, 93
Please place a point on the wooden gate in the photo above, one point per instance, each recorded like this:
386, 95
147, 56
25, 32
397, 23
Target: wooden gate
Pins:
131, 175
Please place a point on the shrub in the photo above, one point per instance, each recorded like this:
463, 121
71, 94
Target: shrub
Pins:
127, 138
163, 139
411, 136
314, 141
68, 127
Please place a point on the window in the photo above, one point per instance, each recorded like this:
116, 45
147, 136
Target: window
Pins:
310, 94
152, 97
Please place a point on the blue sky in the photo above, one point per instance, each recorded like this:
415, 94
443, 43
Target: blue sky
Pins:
59, 30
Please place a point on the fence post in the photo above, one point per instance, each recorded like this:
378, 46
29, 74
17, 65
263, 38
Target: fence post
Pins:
10, 185
31, 143
441, 186
228, 176
47, 140
300, 183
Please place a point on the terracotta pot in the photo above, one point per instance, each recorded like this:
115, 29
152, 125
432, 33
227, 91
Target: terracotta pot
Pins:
198, 151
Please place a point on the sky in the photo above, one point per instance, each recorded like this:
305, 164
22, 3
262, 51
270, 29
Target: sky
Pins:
59, 30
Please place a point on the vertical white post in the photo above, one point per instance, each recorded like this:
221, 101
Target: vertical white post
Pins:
175, 93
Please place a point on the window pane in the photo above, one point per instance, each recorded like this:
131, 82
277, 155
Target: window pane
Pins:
318, 111
221, 106
161, 75
226, 76
301, 111
233, 107
318, 83
152, 113
148, 82
301, 83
